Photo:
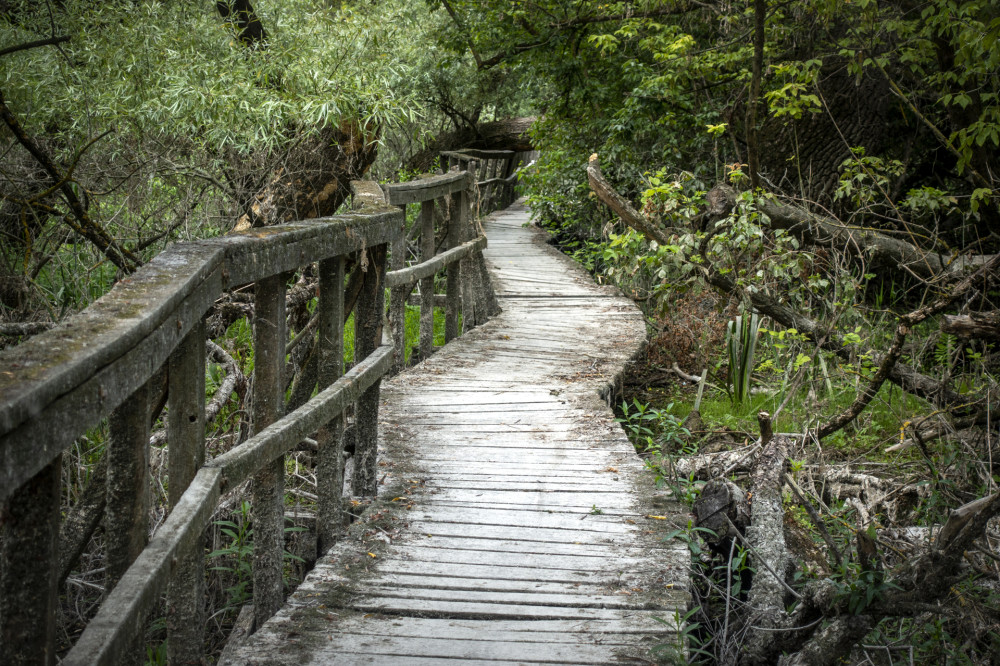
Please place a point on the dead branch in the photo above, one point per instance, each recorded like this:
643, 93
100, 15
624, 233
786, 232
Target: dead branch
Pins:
814, 516
891, 357
82, 520
24, 328
975, 325
235, 381
80, 221
620, 204
876, 247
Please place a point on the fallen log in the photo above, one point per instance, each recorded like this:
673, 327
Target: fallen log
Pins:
974, 325
881, 250
766, 537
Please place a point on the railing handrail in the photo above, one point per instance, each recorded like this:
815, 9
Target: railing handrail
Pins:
101, 363
496, 172
426, 189
168, 295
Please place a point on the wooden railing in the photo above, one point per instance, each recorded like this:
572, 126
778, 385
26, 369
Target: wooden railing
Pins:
108, 362
496, 172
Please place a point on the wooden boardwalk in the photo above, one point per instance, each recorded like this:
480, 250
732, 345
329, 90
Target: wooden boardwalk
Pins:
515, 523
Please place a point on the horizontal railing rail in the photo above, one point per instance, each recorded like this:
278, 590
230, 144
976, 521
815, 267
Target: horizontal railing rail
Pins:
143, 345
496, 172
445, 222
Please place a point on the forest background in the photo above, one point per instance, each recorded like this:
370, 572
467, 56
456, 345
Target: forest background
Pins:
824, 170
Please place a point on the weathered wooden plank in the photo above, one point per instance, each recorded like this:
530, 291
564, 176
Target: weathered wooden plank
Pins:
61, 382
268, 488
547, 408
472, 401
521, 518
542, 631
605, 503
536, 485
258, 253
398, 294
368, 315
453, 583
29, 584
186, 435
516, 470
474, 609
503, 598
485, 572
560, 534
427, 296
463, 650
329, 437
564, 546
507, 460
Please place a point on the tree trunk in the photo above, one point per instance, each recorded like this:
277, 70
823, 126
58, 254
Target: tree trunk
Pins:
508, 134
753, 147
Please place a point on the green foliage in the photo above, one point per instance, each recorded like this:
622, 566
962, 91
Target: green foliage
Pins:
684, 645
660, 436
413, 328
653, 430
741, 344
236, 558
176, 68
860, 589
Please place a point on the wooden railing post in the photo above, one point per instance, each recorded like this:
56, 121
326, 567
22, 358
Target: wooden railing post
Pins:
186, 442
126, 521
269, 483
329, 463
126, 515
29, 563
427, 284
454, 279
397, 296
470, 317
367, 336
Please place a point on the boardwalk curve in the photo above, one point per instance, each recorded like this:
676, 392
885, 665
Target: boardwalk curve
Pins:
515, 523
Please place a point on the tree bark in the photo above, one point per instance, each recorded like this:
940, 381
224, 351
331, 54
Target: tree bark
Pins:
975, 325
753, 147
766, 536
720, 506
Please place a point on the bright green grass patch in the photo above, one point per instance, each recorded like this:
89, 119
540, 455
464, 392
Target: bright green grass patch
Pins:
412, 328
878, 426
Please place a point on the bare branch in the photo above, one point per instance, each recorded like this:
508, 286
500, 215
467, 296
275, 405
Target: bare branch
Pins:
81, 221
33, 45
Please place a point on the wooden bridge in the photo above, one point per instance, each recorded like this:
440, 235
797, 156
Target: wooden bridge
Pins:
509, 521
